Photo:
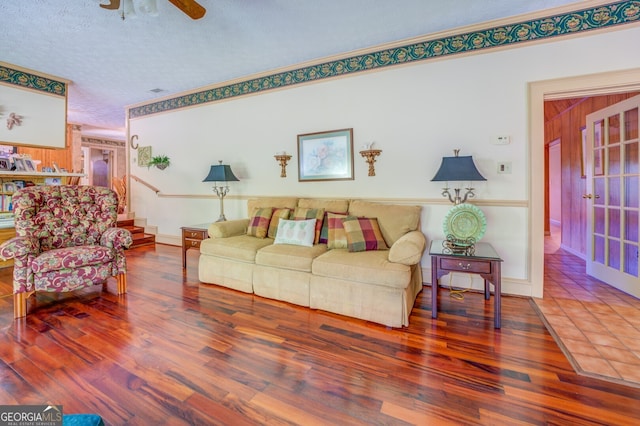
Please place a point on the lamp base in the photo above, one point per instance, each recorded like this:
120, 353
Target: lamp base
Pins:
221, 218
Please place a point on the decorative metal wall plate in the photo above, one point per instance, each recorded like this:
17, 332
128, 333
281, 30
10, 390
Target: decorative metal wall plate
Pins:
465, 222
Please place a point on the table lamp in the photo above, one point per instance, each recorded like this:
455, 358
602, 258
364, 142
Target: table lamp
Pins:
220, 173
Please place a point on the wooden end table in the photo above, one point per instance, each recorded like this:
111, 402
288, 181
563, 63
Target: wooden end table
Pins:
484, 261
191, 238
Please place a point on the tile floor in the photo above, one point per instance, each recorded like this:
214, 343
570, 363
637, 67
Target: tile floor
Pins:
596, 325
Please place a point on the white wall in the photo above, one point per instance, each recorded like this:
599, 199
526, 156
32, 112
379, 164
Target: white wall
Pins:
416, 114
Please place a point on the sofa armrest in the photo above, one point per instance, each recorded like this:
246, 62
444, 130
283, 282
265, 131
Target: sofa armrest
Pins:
17, 247
408, 249
118, 238
229, 228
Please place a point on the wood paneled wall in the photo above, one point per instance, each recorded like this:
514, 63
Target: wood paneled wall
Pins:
62, 157
566, 125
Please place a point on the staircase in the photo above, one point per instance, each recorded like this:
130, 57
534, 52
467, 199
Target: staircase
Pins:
140, 238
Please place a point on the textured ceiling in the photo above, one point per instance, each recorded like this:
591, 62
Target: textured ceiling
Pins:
114, 63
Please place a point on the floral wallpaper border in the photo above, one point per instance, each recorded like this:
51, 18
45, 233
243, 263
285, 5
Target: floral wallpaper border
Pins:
604, 16
32, 81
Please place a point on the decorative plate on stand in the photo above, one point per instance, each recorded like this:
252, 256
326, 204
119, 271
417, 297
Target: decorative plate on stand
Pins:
465, 223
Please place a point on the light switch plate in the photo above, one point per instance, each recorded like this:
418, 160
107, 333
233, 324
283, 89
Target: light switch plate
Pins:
504, 167
502, 140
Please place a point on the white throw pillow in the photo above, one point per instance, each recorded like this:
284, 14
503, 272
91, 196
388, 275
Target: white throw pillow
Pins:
297, 232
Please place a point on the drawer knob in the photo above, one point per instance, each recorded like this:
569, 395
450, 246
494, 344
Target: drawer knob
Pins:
464, 267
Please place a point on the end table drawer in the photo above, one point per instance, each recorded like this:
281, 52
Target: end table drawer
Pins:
198, 235
192, 243
465, 265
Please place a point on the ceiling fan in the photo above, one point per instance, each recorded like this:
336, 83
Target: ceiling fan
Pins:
190, 7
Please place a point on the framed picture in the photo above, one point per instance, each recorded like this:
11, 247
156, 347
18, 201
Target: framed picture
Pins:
7, 150
9, 187
19, 164
325, 156
5, 163
144, 156
28, 165
19, 184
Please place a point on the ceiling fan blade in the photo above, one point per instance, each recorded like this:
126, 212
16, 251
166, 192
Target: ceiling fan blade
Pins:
190, 7
113, 5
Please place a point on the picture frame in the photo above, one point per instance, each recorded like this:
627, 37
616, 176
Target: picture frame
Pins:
9, 187
325, 156
5, 163
28, 165
19, 184
19, 164
8, 150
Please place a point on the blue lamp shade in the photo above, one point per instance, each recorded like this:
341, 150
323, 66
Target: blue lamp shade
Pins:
220, 173
457, 168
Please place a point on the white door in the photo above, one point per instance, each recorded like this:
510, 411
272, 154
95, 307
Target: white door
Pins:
613, 194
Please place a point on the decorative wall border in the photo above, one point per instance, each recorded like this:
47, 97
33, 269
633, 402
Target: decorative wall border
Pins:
32, 81
589, 19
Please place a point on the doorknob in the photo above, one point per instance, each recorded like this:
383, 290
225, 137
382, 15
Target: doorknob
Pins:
589, 196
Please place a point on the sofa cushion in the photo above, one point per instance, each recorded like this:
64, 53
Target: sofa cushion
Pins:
289, 257
280, 213
296, 232
408, 249
273, 202
335, 206
337, 237
241, 247
394, 220
71, 258
363, 234
259, 222
366, 267
303, 213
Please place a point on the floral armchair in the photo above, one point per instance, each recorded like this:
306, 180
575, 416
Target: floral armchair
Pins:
66, 239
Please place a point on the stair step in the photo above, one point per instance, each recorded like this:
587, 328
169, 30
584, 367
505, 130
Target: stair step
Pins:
143, 240
140, 238
133, 229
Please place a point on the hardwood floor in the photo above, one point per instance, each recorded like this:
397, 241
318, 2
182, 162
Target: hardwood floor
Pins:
176, 352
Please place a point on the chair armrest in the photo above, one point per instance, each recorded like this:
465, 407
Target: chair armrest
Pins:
229, 228
408, 249
19, 247
117, 238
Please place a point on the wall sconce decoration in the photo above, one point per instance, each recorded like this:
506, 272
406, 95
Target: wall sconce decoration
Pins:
282, 157
220, 173
370, 155
14, 120
457, 169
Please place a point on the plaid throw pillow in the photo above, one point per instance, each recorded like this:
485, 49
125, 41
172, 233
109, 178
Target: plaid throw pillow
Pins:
259, 222
275, 220
301, 213
337, 237
363, 234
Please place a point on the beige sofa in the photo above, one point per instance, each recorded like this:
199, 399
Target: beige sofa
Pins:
377, 285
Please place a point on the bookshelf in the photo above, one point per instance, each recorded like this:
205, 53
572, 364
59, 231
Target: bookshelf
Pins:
10, 181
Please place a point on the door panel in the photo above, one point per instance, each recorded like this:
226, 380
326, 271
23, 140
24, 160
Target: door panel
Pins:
613, 195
